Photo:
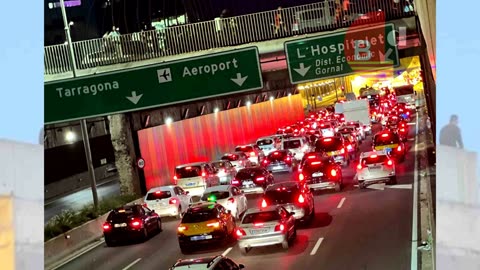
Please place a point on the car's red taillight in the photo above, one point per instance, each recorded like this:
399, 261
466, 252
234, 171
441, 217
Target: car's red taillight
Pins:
333, 172
204, 174
240, 232
252, 154
214, 224
301, 199
175, 178
301, 177
342, 151
260, 178
389, 162
182, 228
264, 203
399, 148
280, 228
359, 166
265, 162
172, 201
231, 200
107, 226
235, 182
136, 223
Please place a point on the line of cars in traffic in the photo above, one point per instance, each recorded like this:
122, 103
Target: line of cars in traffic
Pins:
316, 149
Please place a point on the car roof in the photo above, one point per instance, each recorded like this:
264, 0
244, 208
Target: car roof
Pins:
263, 209
367, 154
266, 137
204, 260
201, 206
287, 184
219, 160
190, 164
218, 188
161, 188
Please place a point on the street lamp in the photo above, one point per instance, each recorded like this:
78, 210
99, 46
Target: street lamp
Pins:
271, 98
168, 121
70, 137
249, 103
216, 110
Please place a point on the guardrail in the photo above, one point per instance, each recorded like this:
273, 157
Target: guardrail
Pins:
317, 17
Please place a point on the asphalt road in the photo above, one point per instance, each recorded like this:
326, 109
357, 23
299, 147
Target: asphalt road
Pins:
77, 200
354, 229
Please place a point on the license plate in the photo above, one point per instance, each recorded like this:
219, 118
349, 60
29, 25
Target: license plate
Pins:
277, 167
260, 231
200, 237
189, 184
247, 183
317, 174
375, 167
121, 225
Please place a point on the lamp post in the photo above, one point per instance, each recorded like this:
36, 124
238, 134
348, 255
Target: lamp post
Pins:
83, 122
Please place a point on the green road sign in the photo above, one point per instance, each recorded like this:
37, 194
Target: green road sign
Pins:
153, 86
342, 53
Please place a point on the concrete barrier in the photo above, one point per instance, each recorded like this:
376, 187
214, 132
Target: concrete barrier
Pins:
67, 245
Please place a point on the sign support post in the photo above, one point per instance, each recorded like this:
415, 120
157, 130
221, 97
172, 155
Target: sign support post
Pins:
83, 122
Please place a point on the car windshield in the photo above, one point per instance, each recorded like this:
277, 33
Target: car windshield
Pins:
244, 148
219, 165
264, 142
123, 214
196, 216
311, 166
282, 195
346, 130
277, 155
386, 138
261, 217
374, 159
292, 144
329, 144
213, 196
158, 195
230, 157
246, 174
187, 172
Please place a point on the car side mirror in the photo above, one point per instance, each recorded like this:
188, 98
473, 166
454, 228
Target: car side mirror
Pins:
152, 212
234, 165
187, 192
229, 212
291, 214
241, 266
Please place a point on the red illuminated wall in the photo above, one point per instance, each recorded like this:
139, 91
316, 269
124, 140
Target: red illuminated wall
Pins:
207, 137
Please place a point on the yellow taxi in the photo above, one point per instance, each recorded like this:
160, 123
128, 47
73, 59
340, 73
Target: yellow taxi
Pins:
205, 223
390, 142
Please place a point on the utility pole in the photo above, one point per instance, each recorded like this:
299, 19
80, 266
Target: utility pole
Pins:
83, 122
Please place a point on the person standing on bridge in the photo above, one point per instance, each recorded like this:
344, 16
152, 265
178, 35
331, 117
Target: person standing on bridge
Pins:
450, 134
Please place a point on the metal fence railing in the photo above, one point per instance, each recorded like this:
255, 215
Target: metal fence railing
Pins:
317, 17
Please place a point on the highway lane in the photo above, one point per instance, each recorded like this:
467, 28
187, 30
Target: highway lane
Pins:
353, 229
77, 200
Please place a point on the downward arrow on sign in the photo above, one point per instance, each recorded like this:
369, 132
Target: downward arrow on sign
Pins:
302, 70
134, 98
239, 80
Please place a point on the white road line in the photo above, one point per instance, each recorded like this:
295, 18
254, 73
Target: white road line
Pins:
414, 262
227, 251
79, 254
341, 202
317, 245
132, 264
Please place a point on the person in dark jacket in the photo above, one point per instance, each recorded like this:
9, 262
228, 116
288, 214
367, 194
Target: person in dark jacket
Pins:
450, 134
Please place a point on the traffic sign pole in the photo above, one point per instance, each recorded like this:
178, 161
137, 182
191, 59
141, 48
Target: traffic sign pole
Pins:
83, 122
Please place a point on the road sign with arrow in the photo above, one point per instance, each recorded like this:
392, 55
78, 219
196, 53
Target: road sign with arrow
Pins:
342, 53
168, 83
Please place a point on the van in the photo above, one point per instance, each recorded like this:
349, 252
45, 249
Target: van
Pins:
199, 175
269, 144
297, 145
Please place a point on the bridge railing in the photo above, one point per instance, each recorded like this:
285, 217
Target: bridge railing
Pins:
224, 32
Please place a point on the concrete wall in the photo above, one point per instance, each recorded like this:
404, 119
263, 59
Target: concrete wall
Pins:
75, 182
206, 137
426, 11
21, 178
457, 175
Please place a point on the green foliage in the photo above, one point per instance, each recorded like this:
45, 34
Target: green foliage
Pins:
70, 219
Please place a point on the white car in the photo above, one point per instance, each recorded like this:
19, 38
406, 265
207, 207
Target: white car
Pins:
268, 144
168, 201
297, 146
230, 197
375, 167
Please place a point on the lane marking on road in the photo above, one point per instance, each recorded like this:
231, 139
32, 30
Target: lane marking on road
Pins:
403, 186
317, 245
226, 251
380, 186
132, 264
414, 254
341, 202
79, 254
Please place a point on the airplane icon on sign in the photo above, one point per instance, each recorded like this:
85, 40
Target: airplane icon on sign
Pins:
164, 75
